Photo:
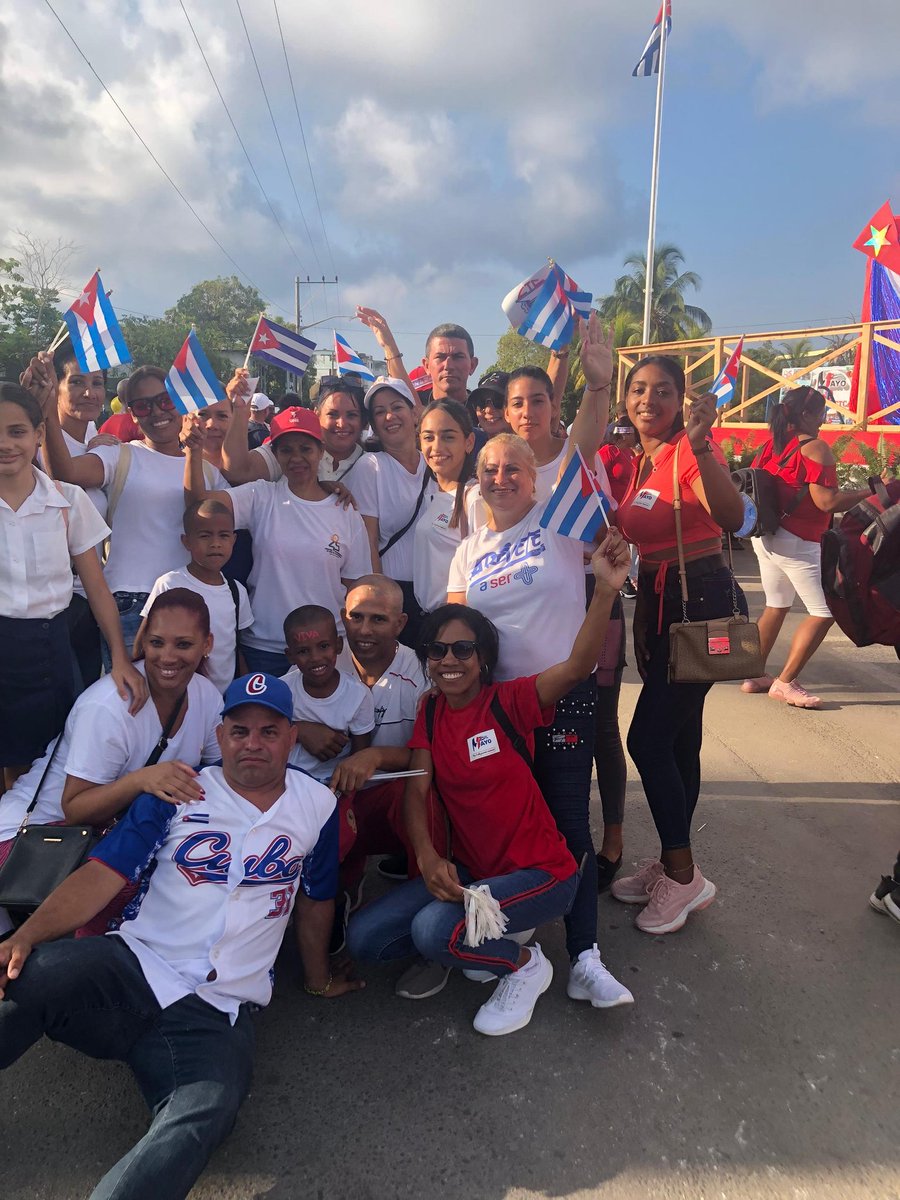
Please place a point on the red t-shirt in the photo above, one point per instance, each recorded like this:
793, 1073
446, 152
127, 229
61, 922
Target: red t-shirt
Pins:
806, 521
619, 465
646, 516
123, 426
499, 818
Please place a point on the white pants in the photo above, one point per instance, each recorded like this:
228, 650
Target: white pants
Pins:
790, 566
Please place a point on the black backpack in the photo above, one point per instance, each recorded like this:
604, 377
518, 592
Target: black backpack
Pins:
761, 489
500, 715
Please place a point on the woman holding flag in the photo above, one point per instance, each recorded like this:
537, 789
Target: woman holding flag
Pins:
511, 569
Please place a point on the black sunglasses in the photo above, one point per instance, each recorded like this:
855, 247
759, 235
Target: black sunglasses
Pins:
495, 401
144, 406
462, 650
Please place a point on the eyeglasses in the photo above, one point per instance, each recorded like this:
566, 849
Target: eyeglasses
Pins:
144, 406
461, 650
495, 402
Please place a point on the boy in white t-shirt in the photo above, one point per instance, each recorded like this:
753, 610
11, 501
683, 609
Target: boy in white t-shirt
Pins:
209, 539
322, 693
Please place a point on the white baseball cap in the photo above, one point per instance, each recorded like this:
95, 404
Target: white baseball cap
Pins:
260, 401
400, 386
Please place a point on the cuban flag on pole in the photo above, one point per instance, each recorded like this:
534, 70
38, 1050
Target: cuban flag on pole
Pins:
648, 63
347, 360
543, 308
192, 382
280, 346
726, 381
577, 508
96, 337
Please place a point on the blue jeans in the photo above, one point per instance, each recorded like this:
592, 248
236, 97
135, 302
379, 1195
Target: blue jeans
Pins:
129, 605
192, 1065
563, 765
265, 660
666, 731
409, 920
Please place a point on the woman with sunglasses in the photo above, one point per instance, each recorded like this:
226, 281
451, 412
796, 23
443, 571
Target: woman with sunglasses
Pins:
488, 401
474, 742
145, 491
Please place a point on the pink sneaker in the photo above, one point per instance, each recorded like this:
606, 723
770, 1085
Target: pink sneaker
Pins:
670, 903
792, 693
635, 889
762, 683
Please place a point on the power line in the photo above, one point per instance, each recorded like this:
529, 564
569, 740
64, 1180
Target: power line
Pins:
312, 177
278, 135
237, 134
168, 177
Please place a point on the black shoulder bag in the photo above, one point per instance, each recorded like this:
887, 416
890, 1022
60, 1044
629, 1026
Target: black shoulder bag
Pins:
395, 537
42, 856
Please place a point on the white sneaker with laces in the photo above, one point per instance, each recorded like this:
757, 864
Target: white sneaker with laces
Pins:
590, 980
522, 938
513, 1000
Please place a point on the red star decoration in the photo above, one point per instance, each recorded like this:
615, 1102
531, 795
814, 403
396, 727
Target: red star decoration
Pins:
84, 305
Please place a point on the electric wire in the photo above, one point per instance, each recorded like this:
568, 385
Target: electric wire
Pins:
259, 182
278, 135
163, 170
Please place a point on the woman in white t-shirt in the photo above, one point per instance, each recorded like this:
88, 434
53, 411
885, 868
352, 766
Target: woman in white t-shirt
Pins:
530, 583
390, 489
98, 764
448, 447
144, 482
529, 411
307, 548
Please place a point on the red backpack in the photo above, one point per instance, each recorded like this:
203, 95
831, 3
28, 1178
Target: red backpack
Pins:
861, 568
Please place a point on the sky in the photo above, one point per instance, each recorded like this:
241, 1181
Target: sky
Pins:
451, 150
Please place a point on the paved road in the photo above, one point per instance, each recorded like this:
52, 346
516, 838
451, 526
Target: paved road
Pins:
760, 1060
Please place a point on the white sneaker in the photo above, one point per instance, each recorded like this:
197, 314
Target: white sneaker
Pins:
590, 980
523, 938
513, 1000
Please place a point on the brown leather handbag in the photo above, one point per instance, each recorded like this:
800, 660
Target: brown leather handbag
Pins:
710, 651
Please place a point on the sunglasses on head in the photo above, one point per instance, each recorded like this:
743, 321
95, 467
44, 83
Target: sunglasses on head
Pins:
461, 650
146, 405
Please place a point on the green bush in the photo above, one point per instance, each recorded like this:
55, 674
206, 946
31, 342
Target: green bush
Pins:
875, 461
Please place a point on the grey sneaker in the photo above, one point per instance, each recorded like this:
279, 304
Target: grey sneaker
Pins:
421, 980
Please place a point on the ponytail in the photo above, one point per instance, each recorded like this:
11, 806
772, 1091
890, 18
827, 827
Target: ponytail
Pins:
787, 414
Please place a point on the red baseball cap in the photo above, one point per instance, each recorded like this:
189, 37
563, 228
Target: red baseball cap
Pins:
295, 420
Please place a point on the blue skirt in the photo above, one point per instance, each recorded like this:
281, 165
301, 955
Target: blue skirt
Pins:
37, 686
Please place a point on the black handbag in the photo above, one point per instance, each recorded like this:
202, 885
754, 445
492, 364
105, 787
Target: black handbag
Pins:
42, 856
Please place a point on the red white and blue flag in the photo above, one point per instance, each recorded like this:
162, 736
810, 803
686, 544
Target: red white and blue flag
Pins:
420, 379
280, 346
648, 63
96, 337
543, 308
578, 508
191, 382
726, 380
348, 361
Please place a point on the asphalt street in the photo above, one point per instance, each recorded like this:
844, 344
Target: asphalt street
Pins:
760, 1059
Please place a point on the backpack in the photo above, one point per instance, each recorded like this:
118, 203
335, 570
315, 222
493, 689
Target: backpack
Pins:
861, 568
761, 489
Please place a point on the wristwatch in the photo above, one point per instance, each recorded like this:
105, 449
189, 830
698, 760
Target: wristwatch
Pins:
706, 448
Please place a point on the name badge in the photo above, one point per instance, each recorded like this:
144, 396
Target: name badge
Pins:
483, 744
645, 498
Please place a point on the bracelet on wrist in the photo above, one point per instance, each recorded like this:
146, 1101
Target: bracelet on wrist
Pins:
603, 387
396, 354
319, 991
706, 448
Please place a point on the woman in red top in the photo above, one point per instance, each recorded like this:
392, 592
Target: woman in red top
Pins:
477, 755
667, 729
790, 558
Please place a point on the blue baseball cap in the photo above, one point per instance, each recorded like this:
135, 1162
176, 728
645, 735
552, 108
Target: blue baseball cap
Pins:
259, 688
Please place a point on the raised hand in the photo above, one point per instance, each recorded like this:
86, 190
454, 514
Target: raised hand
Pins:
39, 378
596, 352
611, 561
237, 389
379, 326
701, 416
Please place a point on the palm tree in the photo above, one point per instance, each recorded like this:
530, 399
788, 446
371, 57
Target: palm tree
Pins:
671, 318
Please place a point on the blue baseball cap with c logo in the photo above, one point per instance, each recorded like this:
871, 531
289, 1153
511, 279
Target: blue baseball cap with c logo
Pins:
260, 688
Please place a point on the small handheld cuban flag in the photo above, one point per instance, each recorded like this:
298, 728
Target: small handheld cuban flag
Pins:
96, 337
280, 346
191, 381
577, 509
648, 63
726, 381
543, 308
347, 360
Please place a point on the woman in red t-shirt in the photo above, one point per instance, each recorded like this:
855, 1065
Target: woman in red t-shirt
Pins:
790, 558
473, 741
667, 728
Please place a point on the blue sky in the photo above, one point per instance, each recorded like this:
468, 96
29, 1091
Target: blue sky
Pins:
453, 151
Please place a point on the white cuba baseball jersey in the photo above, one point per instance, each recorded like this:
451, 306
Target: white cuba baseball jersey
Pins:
219, 879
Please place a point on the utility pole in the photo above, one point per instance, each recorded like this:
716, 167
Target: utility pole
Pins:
325, 283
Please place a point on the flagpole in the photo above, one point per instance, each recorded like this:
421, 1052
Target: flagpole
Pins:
654, 179
253, 338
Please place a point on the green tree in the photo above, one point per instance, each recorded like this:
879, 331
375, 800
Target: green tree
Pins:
514, 351
671, 317
225, 312
28, 320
